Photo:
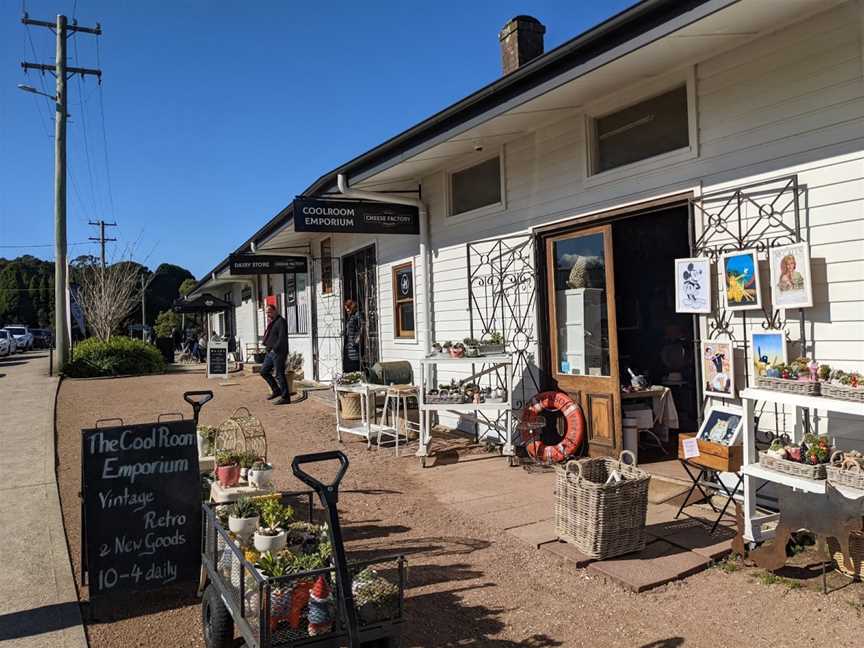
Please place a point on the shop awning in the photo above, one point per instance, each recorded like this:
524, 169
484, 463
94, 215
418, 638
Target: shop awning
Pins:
205, 303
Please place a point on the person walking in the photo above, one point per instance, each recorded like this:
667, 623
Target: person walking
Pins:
276, 343
353, 335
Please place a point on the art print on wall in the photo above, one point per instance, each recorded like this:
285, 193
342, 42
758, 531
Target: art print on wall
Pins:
791, 282
721, 425
741, 280
718, 369
767, 348
692, 285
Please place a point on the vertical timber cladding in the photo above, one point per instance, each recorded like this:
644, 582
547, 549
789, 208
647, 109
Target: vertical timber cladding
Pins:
141, 506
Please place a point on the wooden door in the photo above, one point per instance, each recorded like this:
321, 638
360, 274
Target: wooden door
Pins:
583, 334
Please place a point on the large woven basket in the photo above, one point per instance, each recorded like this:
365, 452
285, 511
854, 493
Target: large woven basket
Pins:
803, 387
845, 471
602, 520
792, 467
349, 406
856, 554
843, 392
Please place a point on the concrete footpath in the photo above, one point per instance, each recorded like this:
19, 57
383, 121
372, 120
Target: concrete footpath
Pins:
38, 602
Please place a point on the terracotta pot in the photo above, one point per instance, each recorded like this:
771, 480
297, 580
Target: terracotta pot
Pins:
228, 476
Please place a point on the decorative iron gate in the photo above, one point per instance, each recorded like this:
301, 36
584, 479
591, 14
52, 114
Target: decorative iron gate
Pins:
502, 296
360, 283
327, 320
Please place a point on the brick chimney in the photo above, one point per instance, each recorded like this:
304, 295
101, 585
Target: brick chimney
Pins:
521, 41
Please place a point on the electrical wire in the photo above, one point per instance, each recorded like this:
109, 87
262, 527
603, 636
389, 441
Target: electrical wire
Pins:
105, 136
41, 245
96, 207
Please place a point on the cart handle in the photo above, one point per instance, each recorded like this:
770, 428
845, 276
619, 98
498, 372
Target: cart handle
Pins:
330, 490
205, 396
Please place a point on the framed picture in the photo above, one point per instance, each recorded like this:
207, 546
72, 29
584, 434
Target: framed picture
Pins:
767, 348
692, 285
722, 425
718, 369
791, 283
741, 280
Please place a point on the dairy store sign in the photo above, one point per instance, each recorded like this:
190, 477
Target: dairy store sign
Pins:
354, 217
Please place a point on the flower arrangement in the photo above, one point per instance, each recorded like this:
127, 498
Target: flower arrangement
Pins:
350, 378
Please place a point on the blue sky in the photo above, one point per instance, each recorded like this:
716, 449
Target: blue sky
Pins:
217, 113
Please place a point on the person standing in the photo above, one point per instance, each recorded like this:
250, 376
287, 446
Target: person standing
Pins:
353, 335
276, 344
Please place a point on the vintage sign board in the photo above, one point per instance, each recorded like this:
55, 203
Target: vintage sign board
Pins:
217, 359
141, 505
255, 264
354, 217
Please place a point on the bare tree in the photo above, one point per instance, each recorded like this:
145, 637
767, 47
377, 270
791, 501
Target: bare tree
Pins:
107, 295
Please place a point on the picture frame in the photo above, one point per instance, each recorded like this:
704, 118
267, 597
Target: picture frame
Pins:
766, 348
718, 368
693, 285
742, 289
791, 278
722, 425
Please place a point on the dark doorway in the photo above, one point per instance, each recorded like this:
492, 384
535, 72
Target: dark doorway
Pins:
360, 284
654, 340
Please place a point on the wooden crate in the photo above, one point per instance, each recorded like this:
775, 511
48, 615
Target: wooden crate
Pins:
714, 455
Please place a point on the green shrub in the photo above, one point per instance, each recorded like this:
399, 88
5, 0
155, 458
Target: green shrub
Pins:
118, 356
165, 322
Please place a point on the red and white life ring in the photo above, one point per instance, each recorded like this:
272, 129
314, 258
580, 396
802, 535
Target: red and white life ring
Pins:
573, 437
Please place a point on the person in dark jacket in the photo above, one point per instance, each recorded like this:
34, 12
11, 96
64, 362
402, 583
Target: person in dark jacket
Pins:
276, 343
353, 334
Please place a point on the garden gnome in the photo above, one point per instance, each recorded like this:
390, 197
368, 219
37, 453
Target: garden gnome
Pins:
320, 608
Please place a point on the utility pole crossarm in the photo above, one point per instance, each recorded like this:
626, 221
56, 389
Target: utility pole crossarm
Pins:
71, 71
74, 27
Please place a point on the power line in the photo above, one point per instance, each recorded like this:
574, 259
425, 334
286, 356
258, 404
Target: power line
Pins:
41, 245
105, 137
96, 207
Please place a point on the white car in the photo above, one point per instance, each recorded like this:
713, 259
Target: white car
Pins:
7, 343
23, 337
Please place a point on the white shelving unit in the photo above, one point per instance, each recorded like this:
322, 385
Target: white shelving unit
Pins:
754, 473
491, 365
365, 426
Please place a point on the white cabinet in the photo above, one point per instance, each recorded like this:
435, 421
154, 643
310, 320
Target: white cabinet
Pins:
579, 313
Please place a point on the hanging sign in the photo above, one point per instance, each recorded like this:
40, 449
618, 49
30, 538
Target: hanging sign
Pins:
142, 506
354, 217
217, 359
254, 264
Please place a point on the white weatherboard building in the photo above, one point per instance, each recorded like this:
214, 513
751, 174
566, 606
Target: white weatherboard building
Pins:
559, 196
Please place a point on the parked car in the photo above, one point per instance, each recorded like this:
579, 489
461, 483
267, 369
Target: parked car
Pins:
7, 342
41, 338
22, 335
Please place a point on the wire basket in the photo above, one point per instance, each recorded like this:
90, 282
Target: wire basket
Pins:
602, 517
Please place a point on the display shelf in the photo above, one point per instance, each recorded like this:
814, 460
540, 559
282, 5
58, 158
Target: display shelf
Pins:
465, 407
807, 402
449, 360
801, 483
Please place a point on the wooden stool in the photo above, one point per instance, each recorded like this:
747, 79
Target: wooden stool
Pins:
396, 397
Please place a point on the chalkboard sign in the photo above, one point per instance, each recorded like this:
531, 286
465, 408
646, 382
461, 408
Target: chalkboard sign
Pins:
142, 506
217, 359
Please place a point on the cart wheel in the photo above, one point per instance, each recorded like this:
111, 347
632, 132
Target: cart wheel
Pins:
513, 460
217, 621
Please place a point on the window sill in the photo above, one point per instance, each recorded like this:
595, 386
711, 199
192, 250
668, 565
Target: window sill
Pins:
654, 163
404, 340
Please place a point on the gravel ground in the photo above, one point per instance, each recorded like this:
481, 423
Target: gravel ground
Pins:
469, 584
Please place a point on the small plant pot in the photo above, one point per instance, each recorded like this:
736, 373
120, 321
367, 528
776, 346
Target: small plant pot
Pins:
203, 446
457, 352
228, 476
270, 543
243, 527
261, 477
244, 473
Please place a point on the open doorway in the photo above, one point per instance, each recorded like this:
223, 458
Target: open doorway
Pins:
360, 285
654, 340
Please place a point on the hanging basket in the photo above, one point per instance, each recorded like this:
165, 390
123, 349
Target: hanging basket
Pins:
242, 432
602, 520
349, 406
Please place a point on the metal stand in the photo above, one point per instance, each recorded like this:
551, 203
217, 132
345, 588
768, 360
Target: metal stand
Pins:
702, 479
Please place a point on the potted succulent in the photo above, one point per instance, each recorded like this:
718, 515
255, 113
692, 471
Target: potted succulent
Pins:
349, 402
457, 350
445, 347
246, 459
275, 565
260, 474
437, 349
227, 468
492, 343
793, 452
206, 440
777, 450
472, 347
270, 536
375, 597
243, 518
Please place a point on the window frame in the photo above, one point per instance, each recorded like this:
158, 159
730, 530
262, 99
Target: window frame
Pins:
475, 160
631, 97
327, 266
394, 269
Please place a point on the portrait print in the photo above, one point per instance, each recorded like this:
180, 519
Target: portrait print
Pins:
791, 283
692, 285
718, 373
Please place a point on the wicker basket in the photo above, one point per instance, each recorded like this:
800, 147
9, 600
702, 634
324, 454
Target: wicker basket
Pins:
792, 467
856, 554
602, 520
803, 387
349, 406
843, 392
846, 472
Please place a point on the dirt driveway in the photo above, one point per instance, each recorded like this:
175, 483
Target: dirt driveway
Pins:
469, 584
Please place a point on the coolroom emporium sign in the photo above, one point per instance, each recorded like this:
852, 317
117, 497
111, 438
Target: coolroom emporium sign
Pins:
354, 217
142, 506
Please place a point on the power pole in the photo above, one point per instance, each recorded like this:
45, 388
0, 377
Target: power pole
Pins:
102, 225
60, 70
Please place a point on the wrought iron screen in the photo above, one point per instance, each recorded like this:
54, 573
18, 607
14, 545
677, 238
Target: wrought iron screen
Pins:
502, 296
327, 322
